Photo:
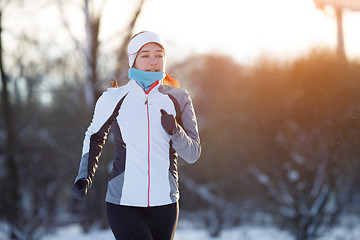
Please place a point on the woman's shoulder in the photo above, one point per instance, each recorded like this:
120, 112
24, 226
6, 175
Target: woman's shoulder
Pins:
166, 89
180, 94
115, 91
112, 95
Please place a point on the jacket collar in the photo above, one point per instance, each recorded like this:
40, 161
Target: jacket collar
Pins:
134, 85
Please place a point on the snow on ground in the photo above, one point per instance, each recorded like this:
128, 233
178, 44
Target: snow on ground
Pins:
244, 233
348, 229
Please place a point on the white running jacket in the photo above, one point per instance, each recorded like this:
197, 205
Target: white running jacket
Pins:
145, 166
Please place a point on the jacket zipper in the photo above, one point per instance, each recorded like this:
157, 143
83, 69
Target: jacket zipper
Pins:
148, 123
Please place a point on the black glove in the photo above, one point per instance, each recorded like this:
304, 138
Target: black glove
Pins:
168, 122
80, 188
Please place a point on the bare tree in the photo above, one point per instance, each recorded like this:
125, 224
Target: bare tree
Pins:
217, 209
304, 187
122, 62
10, 193
310, 144
24, 220
31, 192
93, 14
339, 7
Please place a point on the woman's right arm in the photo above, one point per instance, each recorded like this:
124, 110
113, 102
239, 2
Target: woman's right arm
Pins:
96, 135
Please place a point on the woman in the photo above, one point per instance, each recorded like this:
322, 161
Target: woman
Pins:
153, 122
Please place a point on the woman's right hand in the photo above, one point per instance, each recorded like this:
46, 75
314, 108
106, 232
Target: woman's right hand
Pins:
80, 188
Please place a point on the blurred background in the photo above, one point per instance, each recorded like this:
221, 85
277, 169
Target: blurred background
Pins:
275, 86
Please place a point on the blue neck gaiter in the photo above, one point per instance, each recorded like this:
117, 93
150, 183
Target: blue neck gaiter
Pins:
144, 78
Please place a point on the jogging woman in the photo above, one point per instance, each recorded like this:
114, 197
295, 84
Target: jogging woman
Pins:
153, 122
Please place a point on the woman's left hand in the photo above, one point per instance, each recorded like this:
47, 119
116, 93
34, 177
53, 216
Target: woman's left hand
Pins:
168, 122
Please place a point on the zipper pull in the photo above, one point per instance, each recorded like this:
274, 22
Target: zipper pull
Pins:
146, 101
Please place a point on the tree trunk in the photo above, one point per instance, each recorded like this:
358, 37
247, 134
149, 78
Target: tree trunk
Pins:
340, 35
122, 61
11, 195
92, 26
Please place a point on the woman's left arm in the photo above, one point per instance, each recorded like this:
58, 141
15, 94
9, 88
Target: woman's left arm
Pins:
186, 140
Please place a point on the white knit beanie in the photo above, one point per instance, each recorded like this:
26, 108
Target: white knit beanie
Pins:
139, 40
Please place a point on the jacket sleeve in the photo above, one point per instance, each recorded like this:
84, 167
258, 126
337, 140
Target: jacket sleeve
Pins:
186, 140
96, 135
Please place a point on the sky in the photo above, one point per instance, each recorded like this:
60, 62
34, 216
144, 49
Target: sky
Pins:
247, 29
242, 29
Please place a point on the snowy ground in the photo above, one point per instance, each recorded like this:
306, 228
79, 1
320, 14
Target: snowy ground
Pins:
243, 233
240, 233
348, 229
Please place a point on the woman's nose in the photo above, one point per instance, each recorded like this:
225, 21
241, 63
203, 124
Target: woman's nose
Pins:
153, 61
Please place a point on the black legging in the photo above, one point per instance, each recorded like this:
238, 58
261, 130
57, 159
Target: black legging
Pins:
143, 223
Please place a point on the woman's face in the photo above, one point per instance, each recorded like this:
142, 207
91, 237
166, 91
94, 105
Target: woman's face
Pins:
151, 57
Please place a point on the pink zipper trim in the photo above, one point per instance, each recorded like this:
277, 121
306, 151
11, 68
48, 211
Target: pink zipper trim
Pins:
148, 119
151, 87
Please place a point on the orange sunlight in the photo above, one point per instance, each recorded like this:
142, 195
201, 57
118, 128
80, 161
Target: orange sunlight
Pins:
247, 29
242, 29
